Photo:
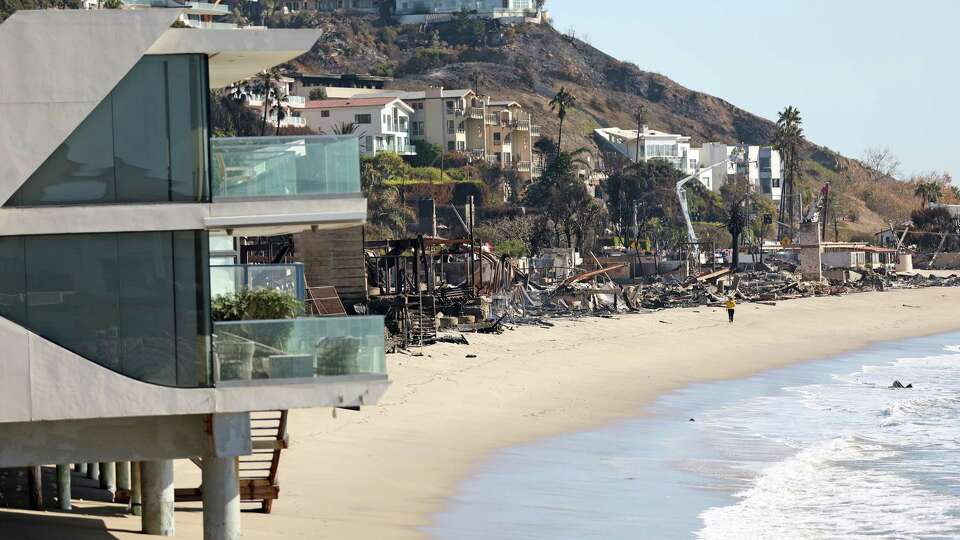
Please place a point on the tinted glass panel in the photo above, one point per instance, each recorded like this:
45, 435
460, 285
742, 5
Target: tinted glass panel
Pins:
147, 307
141, 133
187, 98
146, 142
76, 305
136, 303
191, 294
13, 303
80, 170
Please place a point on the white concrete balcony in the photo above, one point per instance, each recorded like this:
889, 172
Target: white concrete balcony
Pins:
297, 102
477, 154
522, 125
492, 119
210, 25
295, 121
524, 166
206, 8
475, 113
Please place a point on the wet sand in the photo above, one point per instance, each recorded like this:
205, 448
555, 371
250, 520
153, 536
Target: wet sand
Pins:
383, 472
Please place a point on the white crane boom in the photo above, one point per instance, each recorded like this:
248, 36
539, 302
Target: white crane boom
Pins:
682, 196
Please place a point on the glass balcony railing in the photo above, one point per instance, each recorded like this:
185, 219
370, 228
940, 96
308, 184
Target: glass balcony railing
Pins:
306, 348
231, 278
262, 167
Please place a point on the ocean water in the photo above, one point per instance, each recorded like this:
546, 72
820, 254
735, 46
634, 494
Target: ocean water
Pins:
824, 449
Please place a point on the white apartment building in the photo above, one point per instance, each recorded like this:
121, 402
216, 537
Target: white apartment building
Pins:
761, 165
483, 7
672, 148
292, 105
382, 123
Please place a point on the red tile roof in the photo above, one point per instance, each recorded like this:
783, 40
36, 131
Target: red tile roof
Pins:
340, 103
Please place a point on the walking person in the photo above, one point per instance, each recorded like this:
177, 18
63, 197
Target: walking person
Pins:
731, 307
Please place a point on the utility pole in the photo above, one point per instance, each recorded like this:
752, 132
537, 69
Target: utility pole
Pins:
640, 111
476, 81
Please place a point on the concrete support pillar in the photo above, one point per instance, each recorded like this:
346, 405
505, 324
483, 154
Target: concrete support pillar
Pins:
63, 487
80, 468
156, 481
221, 499
136, 505
108, 476
811, 251
35, 487
93, 471
123, 475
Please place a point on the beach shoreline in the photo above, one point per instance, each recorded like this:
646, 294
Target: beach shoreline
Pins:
386, 471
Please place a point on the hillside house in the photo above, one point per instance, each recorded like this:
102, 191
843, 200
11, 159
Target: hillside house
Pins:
382, 123
651, 144
462, 121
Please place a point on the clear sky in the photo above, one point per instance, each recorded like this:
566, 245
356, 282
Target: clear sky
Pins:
864, 73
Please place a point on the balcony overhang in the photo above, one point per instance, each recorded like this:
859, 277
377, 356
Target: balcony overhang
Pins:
40, 381
237, 54
249, 217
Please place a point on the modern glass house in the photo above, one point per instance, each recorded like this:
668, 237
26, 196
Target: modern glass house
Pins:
112, 187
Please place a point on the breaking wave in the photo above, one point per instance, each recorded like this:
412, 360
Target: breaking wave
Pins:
866, 460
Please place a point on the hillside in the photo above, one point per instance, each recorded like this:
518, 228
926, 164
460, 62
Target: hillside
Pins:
530, 63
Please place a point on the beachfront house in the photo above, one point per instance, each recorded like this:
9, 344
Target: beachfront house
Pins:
112, 187
381, 123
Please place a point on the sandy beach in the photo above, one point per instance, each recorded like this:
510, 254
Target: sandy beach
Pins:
381, 473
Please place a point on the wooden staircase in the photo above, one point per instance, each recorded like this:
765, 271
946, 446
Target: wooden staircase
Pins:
258, 471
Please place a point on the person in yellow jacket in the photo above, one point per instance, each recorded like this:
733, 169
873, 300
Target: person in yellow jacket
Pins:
731, 307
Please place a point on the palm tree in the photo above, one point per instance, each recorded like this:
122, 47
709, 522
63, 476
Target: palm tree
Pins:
560, 103
788, 139
347, 128
267, 85
280, 109
929, 192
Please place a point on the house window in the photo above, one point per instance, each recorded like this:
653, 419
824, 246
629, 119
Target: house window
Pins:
496, 138
137, 302
450, 145
145, 142
451, 127
765, 163
776, 182
324, 114
449, 104
363, 119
